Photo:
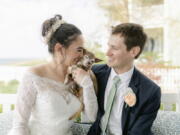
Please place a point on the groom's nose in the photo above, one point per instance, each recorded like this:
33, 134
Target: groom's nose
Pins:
108, 52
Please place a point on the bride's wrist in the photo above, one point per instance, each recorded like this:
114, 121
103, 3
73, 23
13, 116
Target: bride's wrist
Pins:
86, 81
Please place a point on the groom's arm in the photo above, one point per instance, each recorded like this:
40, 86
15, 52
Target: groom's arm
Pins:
95, 128
148, 113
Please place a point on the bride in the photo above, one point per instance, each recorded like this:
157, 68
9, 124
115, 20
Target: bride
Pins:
44, 105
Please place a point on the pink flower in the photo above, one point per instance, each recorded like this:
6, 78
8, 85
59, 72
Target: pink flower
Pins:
130, 97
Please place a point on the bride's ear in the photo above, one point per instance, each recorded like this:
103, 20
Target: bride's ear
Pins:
58, 48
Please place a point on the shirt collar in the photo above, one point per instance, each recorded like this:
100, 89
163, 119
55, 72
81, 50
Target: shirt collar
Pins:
126, 76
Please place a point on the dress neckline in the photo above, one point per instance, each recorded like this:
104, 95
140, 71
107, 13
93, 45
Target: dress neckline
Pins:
46, 78
59, 84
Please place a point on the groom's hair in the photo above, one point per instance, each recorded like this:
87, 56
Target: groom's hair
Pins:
133, 34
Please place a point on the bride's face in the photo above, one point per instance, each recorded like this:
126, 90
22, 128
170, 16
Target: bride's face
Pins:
74, 52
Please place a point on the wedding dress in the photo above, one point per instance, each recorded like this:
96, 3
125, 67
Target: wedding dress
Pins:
44, 106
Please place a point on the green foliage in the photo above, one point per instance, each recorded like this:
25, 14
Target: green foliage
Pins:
150, 2
96, 49
78, 119
12, 107
161, 107
9, 87
117, 10
173, 107
152, 58
1, 108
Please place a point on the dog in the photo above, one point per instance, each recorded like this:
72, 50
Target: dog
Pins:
85, 63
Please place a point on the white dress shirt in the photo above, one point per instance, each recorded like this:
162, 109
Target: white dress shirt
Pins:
114, 124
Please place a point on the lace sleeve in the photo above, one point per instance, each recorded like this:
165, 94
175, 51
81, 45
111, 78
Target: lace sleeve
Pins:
24, 103
90, 100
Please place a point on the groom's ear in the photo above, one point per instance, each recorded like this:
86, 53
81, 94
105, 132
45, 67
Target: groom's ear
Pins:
135, 51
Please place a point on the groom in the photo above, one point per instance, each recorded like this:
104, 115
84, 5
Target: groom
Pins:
128, 100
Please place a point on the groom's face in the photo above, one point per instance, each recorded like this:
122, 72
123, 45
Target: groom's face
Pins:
118, 55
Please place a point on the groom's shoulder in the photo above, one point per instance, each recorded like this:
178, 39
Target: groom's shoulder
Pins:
145, 80
99, 67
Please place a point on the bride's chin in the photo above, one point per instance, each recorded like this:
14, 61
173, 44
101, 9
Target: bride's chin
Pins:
76, 60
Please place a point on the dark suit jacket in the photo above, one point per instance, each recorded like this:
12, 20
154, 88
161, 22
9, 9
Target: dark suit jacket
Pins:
136, 120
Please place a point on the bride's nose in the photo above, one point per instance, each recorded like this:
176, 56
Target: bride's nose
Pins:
81, 55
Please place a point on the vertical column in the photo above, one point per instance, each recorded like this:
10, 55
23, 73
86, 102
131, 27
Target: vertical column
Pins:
166, 31
172, 31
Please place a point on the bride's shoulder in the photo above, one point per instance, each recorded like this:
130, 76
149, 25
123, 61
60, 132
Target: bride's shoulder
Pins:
34, 73
38, 70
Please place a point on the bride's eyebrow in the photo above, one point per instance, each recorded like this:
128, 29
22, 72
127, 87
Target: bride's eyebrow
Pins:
80, 48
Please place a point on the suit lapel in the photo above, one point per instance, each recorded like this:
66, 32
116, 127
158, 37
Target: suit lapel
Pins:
103, 83
126, 109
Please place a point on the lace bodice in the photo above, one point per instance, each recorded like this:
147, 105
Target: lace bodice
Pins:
44, 106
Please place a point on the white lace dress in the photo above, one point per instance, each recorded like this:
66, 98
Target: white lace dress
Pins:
44, 106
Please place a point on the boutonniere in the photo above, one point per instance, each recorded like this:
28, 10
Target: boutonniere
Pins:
129, 97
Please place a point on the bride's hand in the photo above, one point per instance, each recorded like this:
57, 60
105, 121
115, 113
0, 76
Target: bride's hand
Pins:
79, 74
